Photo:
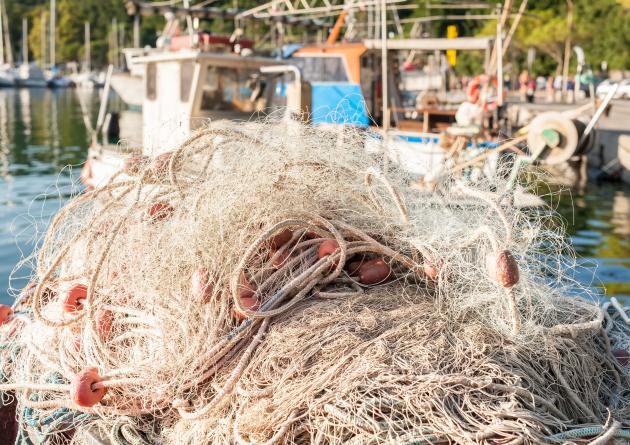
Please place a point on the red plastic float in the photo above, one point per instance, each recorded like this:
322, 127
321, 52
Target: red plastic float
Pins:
280, 239
374, 271
282, 258
160, 211
5, 314
104, 321
201, 288
159, 165
327, 247
245, 288
135, 164
503, 268
71, 302
622, 356
248, 303
82, 388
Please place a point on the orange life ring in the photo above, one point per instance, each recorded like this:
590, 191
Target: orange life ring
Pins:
473, 92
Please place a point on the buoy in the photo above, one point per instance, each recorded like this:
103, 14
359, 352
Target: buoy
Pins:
5, 314
248, 303
104, 320
374, 271
280, 260
280, 239
159, 165
71, 302
134, 165
82, 391
622, 356
327, 247
245, 288
159, 211
503, 268
201, 286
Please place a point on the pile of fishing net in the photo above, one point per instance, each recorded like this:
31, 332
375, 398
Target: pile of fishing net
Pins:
277, 283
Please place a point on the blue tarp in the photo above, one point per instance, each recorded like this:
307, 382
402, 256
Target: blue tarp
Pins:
338, 103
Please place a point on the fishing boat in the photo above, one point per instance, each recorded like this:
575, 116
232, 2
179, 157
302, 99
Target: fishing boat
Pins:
7, 76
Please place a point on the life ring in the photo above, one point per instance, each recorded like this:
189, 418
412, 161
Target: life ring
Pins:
474, 90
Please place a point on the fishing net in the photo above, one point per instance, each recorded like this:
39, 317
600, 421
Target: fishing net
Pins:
272, 282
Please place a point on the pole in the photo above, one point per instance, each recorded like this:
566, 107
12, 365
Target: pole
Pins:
114, 42
53, 8
499, 63
42, 37
88, 47
1, 35
7, 35
136, 31
517, 19
567, 50
384, 65
25, 41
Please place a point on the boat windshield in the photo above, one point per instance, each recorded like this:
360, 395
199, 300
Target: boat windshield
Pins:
232, 89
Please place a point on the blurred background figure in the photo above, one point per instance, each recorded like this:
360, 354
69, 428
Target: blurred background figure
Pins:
523, 79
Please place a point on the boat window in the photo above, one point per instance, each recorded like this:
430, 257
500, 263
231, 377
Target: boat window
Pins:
322, 69
232, 89
151, 81
187, 69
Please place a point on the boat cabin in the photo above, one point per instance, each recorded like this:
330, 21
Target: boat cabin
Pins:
185, 89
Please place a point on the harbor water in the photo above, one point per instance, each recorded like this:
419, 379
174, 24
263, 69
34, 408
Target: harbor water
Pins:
43, 142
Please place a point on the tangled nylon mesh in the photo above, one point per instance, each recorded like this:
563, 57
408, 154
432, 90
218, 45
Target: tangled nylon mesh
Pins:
213, 317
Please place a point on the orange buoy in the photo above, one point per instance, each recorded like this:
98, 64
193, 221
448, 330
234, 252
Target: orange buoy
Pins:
159, 211
374, 271
86, 175
503, 268
353, 267
134, 165
104, 322
327, 247
82, 389
5, 314
159, 165
282, 258
622, 356
280, 239
201, 286
71, 302
245, 288
248, 303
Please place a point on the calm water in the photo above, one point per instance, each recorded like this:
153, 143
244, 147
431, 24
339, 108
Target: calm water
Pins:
42, 133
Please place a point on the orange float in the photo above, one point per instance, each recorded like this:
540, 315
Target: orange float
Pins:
82, 389
374, 271
5, 314
160, 211
249, 303
201, 286
327, 247
71, 301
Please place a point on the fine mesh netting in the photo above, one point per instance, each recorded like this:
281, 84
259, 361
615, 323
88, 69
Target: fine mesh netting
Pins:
277, 283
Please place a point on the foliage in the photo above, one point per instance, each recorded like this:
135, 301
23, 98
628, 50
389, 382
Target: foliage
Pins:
601, 28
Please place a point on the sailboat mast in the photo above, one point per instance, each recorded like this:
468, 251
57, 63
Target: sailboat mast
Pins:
1, 35
7, 36
88, 50
52, 32
25, 41
42, 37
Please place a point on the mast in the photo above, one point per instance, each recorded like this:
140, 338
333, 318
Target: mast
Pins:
1, 36
25, 41
52, 32
42, 37
88, 49
7, 36
384, 70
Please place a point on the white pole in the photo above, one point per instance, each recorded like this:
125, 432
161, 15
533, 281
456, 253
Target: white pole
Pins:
52, 32
25, 41
1, 36
499, 63
7, 35
136, 31
42, 37
384, 65
88, 47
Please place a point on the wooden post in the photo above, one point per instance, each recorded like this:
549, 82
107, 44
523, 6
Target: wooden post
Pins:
136, 31
88, 46
42, 38
25, 41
